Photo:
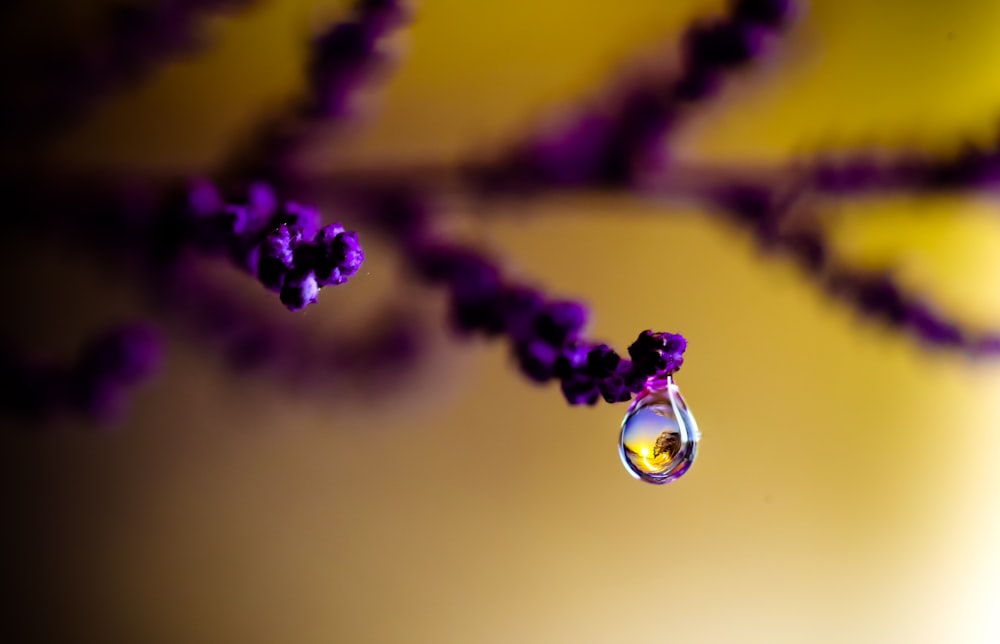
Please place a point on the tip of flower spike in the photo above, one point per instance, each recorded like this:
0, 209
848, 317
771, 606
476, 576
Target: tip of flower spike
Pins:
657, 355
338, 255
297, 258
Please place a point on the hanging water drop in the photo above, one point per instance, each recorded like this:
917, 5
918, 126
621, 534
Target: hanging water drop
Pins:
659, 437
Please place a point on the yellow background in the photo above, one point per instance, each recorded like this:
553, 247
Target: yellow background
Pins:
846, 487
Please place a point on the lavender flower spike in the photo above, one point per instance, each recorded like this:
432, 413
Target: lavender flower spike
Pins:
619, 141
545, 334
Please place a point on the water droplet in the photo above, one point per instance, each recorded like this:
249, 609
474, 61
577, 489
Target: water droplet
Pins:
659, 438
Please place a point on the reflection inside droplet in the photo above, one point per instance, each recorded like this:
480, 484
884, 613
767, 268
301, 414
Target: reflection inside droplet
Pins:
659, 438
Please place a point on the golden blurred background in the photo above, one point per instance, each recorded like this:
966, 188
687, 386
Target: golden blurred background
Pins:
846, 488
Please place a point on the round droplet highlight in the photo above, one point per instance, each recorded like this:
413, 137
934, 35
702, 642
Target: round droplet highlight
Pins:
659, 438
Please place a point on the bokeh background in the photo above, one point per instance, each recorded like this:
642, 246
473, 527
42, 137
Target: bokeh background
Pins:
846, 487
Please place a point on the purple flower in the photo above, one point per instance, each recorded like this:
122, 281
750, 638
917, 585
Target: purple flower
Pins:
280, 243
537, 359
334, 255
619, 142
544, 334
572, 359
657, 355
558, 322
277, 253
299, 290
580, 390
767, 13
602, 360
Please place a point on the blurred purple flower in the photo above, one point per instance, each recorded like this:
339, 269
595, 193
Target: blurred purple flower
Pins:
95, 385
617, 142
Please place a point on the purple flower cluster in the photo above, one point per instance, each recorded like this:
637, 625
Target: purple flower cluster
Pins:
545, 334
283, 244
95, 385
